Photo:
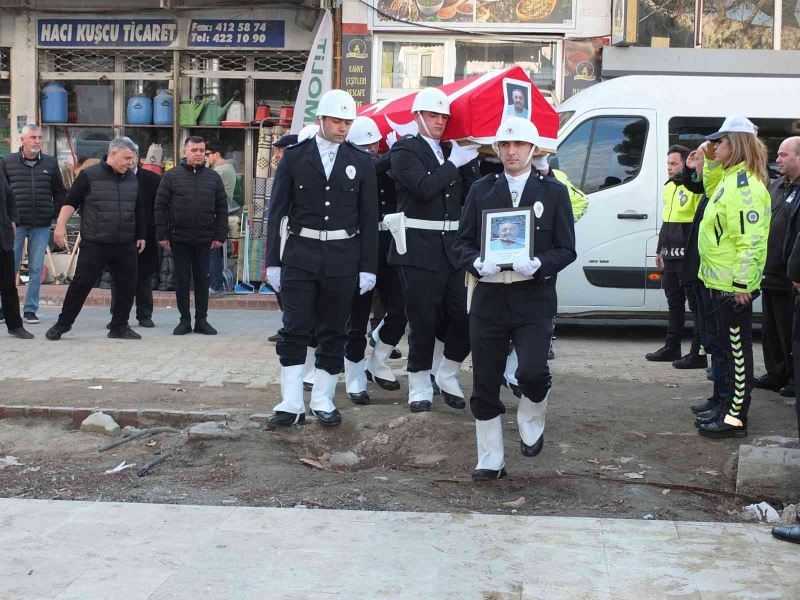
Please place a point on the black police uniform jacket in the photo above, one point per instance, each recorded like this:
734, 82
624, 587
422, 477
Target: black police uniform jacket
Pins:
553, 245
387, 203
430, 191
345, 201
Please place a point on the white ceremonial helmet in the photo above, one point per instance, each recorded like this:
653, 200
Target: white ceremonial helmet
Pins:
364, 132
517, 129
307, 132
337, 104
432, 100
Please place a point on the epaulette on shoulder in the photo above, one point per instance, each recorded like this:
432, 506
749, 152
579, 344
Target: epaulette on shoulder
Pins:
357, 147
298, 144
741, 179
490, 178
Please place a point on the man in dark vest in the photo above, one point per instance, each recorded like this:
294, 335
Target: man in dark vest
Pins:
112, 233
322, 246
8, 288
35, 180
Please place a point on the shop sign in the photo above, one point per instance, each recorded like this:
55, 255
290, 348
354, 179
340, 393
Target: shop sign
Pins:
92, 33
582, 64
317, 75
357, 50
236, 33
476, 14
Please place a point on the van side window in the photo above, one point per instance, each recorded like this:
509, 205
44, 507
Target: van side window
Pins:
603, 152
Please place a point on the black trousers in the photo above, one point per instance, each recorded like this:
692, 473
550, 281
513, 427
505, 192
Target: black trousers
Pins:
314, 306
677, 295
122, 261
776, 332
191, 263
147, 263
390, 291
735, 328
436, 307
8, 289
489, 337
709, 337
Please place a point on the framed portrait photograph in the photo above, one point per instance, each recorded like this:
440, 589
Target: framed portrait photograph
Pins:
517, 99
505, 234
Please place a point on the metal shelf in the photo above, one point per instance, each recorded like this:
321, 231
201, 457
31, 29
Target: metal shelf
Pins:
106, 125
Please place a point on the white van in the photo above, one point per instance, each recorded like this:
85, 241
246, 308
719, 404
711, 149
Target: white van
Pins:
612, 143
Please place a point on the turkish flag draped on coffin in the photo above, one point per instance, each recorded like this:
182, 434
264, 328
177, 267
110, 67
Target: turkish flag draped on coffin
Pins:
477, 107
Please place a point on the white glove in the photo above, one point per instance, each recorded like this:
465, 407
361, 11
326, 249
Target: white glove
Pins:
391, 138
525, 266
274, 278
485, 267
366, 281
540, 163
461, 155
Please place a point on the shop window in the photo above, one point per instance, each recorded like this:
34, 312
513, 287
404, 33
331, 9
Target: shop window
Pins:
790, 28
745, 24
537, 58
147, 90
411, 65
90, 102
603, 152
672, 20
278, 95
5, 125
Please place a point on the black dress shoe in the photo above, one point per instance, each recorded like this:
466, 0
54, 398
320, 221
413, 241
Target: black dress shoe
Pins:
551, 354
202, 326
285, 419
359, 398
534, 450
146, 322
328, 418
307, 387
419, 406
709, 374
123, 333
719, 429
435, 386
454, 401
56, 331
273, 339
787, 534
395, 354
709, 416
664, 354
768, 382
21, 333
488, 474
515, 390
108, 325
383, 383
709, 404
691, 361
787, 391
183, 328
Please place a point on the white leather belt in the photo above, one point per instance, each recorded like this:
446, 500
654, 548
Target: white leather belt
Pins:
323, 235
382, 226
431, 225
505, 277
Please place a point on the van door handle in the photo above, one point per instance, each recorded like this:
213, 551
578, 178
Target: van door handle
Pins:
632, 215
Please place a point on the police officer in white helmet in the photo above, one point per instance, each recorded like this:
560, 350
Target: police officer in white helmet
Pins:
322, 245
432, 181
357, 369
518, 301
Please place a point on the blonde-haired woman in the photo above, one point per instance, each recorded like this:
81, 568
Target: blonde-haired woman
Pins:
732, 242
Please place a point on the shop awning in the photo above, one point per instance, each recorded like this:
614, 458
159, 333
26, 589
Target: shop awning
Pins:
477, 107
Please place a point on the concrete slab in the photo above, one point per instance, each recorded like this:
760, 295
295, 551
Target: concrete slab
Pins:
56, 549
769, 472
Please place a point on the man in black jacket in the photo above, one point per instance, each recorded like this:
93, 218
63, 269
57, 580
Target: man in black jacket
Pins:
8, 287
517, 303
148, 259
776, 289
192, 220
432, 182
112, 232
39, 192
322, 245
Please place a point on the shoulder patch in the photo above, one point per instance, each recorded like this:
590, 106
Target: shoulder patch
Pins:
741, 179
752, 217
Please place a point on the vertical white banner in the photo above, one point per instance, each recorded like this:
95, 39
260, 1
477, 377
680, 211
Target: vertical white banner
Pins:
317, 75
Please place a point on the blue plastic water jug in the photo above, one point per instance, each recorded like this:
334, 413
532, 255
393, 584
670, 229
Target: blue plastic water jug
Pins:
54, 103
162, 108
140, 110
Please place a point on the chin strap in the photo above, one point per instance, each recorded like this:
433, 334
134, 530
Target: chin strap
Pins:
528, 160
423, 125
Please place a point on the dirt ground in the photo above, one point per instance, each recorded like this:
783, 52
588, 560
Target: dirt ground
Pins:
614, 447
